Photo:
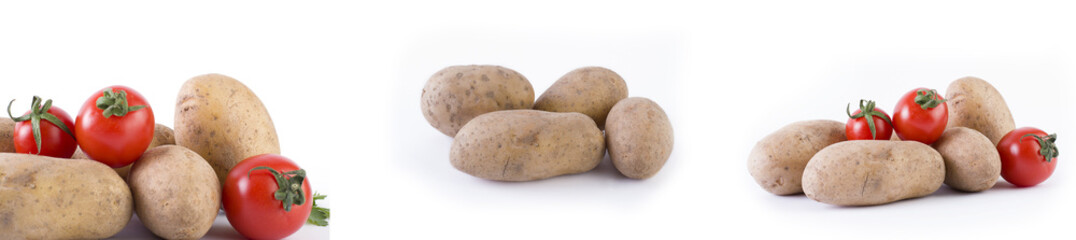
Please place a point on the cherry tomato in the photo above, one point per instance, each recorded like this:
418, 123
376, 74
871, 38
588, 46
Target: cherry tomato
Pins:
921, 115
1028, 156
250, 197
52, 140
858, 128
115, 126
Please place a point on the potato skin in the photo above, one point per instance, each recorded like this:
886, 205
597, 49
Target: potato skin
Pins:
223, 121
53, 198
972, 164
176, 193
872, 172
7, 135
639, 137
589, 90
777, 161
526, 145
457, 94
975, 104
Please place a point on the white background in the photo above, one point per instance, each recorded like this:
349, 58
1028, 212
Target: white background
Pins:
342, 81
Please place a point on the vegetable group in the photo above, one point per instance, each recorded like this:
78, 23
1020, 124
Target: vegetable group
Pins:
115, 126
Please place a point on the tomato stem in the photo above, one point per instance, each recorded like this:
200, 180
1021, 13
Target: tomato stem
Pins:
1047, 145
115, 103
928, 99
38, 112
866, 110
290, 184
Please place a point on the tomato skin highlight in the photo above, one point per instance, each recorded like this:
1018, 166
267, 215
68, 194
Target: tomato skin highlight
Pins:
116, 141
249, 203
54, 141
913, 123
858, 129
1021, 163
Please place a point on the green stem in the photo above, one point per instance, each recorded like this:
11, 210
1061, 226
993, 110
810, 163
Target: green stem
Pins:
1047, 145
290, 186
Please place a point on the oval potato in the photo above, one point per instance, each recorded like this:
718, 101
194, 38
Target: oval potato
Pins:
639, 137
872, 172
223, 121
457, 94
7, 135
972, 163
974, 103
589, 90
176, 192
526, 145
54, 198
777, 161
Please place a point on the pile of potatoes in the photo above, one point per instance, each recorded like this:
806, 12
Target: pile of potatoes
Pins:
175, 187
814, 158
502, 133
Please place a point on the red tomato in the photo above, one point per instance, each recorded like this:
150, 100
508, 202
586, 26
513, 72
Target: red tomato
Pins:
921, 115
53, 140
1028, 156
858, 128
120, 137
250, 203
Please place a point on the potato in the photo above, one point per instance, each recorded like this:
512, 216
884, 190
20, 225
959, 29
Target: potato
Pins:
223, 121
457, 94
872, 172
7, 135
590, 90
53, 198
777, 161
176, 193
526, 145
162, 135
975, 104
972, 164
639, 137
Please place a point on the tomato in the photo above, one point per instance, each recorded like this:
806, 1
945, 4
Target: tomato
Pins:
250, 202
53, 137
858, 128
921, 115
115, 126
1028, 156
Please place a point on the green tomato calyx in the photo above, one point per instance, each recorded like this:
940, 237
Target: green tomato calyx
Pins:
290, 186
115, 103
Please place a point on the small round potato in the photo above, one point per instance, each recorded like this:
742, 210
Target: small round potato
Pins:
176, 193
777, 161
872, 172
590, 90
972, 164
527, 145
639, 137
975, 104
7, 135
457, 94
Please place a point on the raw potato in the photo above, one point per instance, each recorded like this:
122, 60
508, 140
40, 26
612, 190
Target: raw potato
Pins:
590, 90
972, 164
176, 193
975, 104
162, 135
777, 161
639, 137
53, 198
7, 135
526, 145
223, 121
457, 94
872, 172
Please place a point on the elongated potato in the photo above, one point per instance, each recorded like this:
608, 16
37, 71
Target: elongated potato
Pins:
639, 137
589, 90
7, 135
53, 198
872, 172
972, 163
777, 161
526, 145
223, 121
974, 103
176, 193
457, 94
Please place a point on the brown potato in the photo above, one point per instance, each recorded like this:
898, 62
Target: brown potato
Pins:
872, 172
53, 198
639, 137
176, 193
7, 135
457, 94
972, 163
590, 90
777, 161
526, 145
975, 104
